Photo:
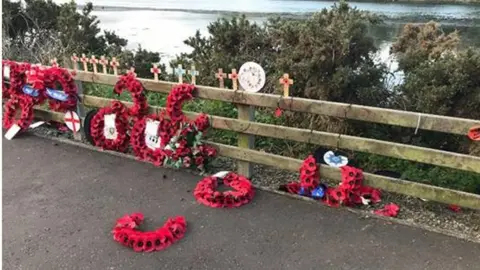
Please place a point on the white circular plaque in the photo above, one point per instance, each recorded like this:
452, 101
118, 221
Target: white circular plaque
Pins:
251, 77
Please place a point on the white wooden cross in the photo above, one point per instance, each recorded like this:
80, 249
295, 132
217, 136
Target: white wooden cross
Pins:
94, 63
221, 76
84, 60
53, 62
114, 64
194, 73
104, 63
180, 72
234, 77
75, 59
286, 82
155, 70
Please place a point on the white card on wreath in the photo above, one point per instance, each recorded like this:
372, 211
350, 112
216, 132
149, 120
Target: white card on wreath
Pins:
110, 129
151, 134
6, 72
12, 131
221, 174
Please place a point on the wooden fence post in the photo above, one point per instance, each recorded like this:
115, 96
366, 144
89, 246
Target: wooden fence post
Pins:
246, 113
78, 136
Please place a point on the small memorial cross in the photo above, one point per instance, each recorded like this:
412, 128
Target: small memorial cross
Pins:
234, 77
286, 82
75, 59
53, 62
221, 76
94, 63
104, 63
114, 64
84, 60
155, 70
194, 73
180, 72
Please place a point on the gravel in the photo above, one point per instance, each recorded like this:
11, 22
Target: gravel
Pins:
431, 215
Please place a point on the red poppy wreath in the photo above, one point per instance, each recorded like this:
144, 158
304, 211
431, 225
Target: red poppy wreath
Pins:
169, 138
109, 126
23, 103
17, 78
129, 82
126, 233
60, 100
205, 192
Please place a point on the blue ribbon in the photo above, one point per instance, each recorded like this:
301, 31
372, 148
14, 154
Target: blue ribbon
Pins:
57, 94
27, 89
318, 192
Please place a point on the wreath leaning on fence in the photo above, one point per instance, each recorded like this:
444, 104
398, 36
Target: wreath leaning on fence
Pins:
109, 127
126, 233
60, 101
169, 138
205, 192
23, 103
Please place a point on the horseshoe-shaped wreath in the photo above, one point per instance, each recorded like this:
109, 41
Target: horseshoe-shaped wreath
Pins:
24, 103
126, 233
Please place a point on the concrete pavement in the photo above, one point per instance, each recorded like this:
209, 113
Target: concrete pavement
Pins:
60, 203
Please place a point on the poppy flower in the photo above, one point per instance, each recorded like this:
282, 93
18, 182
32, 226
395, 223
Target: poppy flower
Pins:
166, 237
149, 241
199, 161
278, 112
389, 210
454, 208
474, 133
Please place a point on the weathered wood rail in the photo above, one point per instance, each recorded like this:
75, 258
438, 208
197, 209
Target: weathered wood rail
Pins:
246, 155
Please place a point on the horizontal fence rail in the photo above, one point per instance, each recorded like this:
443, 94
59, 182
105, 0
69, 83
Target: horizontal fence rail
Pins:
419, 190
385, 148
414, 120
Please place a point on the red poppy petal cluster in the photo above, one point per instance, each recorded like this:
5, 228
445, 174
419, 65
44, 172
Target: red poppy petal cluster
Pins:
389, 210
309, 176
242, 191
54, 77
24, 103
129, 82
474, 133
179, 94
126, 233
120, 143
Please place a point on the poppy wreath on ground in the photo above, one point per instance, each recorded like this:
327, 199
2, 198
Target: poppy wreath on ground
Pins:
111, 136
126, 233
25, 104
205, 192
59, 100
349, 192
129, 82
169, 139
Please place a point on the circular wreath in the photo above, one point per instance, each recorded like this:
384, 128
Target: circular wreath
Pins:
129, 82
54, 77
205, 192
120, 143
25, 104
126, 233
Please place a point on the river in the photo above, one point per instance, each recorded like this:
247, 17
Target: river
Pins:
163, 25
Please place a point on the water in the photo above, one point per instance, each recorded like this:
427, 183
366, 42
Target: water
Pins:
162, 26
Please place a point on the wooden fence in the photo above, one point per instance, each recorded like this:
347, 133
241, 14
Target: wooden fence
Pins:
247, 129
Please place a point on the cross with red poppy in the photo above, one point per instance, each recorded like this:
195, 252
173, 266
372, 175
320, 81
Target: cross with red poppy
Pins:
114, 64
286, 82
234, 77
75, 59
53, 62
155, 70
194, 73
104, 63
84, 60
221, 76
132, 71
94, 63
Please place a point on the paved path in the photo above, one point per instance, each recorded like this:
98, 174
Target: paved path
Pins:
60, 202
